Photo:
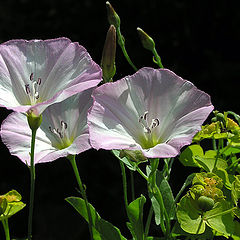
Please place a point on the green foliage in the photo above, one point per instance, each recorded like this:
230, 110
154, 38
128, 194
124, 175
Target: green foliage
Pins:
103, 230
235, 189
10, 204
135, 215
167, 196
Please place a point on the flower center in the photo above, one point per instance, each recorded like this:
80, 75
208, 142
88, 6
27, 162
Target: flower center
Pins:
32, 89
148, 139
61, 135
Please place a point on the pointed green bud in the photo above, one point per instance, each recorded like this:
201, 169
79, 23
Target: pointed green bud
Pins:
108, 55
133, 155
113, 18
34, 121
146, 40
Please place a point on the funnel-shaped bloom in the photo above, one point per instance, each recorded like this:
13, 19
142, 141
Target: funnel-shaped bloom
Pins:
63, 130
35, 74
153, 111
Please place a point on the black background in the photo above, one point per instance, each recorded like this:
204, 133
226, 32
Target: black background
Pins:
198, 40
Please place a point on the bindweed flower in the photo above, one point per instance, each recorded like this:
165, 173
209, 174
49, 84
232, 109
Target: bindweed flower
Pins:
153, 111
35, 74
63, 130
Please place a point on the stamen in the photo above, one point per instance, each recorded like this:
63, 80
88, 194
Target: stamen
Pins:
59, 133
145, 115
31, 76
32, 89
144, 122
155, 123
27, 88
39, 81
64, 124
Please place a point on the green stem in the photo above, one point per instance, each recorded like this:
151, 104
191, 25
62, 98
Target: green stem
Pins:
142, 173
214, 144
122, 45
157, 58
82, 190
148, 222
216, 160
32, 187
156, 192
6, 228
124, 179
132, 185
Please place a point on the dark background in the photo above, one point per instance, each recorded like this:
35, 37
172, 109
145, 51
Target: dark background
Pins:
198, 40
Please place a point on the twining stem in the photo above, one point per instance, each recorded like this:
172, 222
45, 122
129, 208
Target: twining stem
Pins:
157, 58
132, 185
148, 222
6, 228
32, 175
122, 45
124, 179
141, 173
83, 192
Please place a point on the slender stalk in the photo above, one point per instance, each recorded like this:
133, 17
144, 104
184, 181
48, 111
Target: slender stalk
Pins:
142, 173
83, 192
216, 159
122, 45
148, 222
6, 228
132, 185
32, 175
214, 144
157, 58
124, 179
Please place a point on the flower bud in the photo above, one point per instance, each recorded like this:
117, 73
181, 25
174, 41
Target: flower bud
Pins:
113, 18
133, 155
108, 55
146, 40
220, 117
34, 121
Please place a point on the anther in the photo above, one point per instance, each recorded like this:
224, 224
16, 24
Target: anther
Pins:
155, 123
39, 81
31, 76
27, 88
64, 124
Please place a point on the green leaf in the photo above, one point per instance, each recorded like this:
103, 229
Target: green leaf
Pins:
220, 218
208, 163
187, 157
177, 231
130, 165
189, 217
222, 173
230, 150
135, 212
236, 116
103, 230
236, 189
236, 234
10, 204
167, 196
